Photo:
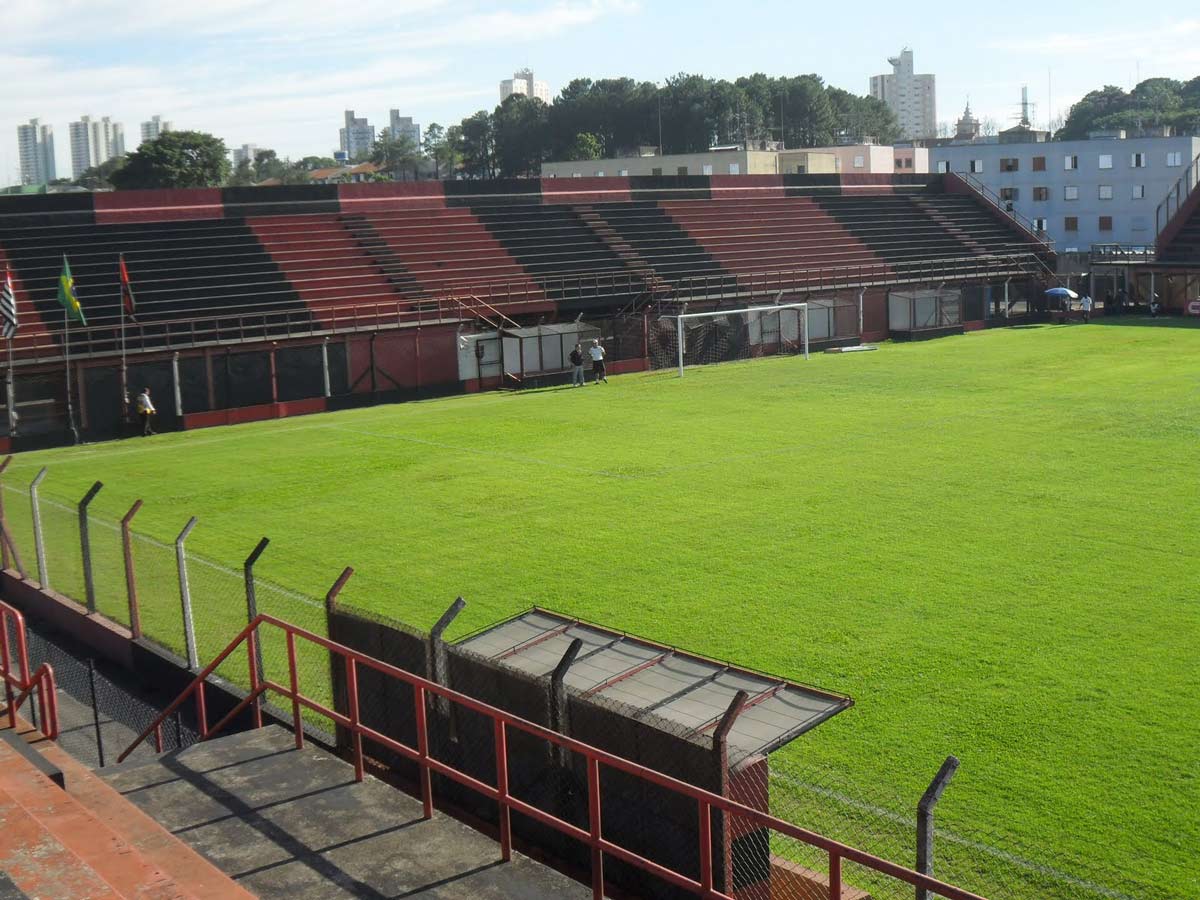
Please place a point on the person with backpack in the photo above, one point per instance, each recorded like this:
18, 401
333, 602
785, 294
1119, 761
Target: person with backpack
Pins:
145, 409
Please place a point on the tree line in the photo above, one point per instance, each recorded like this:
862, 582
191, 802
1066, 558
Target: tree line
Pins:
1155, 102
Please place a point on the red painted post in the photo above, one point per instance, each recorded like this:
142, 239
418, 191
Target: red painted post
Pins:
294, 676
706, 866
158, 744
835, 876
593, 773
202, 711
352, 692
502, 789
423, 750
252, 655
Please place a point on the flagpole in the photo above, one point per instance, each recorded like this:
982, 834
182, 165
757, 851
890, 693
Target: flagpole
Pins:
11, 393
70, 403
124, 371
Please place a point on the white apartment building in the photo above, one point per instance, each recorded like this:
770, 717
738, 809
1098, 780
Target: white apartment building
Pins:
357, 137
403, 126
244, 153
35, 143
94, 143
523, 82
913, 98
155, 127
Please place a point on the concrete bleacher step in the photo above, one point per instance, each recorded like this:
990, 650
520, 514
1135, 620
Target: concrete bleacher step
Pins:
291, 823
53, 844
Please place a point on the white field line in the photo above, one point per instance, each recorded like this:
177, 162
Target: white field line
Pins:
944, 835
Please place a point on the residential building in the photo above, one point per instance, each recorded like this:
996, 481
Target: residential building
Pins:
357, 136
35, 143
913, 98
244, 153
155, 127
94, 143
1103, 190
523, 82
404, 126
714, 162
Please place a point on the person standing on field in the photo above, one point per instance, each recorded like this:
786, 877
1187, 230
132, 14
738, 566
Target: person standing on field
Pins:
1086, 305
577, 366
145, 409
597, 353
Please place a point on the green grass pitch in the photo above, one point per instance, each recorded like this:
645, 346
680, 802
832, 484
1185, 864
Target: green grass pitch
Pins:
989, 541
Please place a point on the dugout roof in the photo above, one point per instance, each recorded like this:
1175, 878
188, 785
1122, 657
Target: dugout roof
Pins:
685, 689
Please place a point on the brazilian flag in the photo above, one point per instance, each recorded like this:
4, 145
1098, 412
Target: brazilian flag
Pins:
67, 296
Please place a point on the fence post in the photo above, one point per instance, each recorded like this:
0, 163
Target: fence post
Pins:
721, 752
85, 546
252, 602
39, 546
325, 364
135, 615
185, 596
558, 700
3, 521
436, 670
178, 390
925, 820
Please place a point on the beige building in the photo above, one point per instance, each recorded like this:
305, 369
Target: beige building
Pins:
714, 162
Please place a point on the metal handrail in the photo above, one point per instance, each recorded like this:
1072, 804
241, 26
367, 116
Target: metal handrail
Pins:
1006, 208
500, 793
1180, 191
19, 686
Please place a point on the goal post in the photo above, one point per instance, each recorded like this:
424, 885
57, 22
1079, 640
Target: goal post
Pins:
725, 335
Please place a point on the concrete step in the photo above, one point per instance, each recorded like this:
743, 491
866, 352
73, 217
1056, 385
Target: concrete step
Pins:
286, 823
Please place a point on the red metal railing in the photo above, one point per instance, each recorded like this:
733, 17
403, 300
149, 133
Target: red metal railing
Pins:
503, 721
20, 685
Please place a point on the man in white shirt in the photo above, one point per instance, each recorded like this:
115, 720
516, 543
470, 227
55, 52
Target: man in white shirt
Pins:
145, 409
597, 353
1086, 305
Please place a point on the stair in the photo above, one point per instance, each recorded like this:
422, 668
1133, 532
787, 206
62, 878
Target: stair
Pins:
293, 823
88, 841
385, 258
948, 225
623, 249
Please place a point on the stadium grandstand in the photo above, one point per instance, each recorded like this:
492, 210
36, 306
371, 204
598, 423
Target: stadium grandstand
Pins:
262, 302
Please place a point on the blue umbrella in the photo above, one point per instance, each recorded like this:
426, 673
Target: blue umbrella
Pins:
1062, 292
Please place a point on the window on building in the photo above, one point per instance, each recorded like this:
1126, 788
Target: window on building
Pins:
1039, 224
1106, 160
977, 167
576, 175
1138, 192
859, 162
1175, 158
1009, 194
735, 169
1106, 192
1137, 160
1106, 223
1009, 165
1039, 164
1071, 163
1071, 192
623, 173
707, 169
681, 170
656, 171
1041, 194
943, 166
599, 173
1071, 223
1139, 223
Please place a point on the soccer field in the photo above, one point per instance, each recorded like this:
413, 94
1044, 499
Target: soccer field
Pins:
989, 541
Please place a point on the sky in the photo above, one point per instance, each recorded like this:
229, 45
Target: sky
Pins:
279, 73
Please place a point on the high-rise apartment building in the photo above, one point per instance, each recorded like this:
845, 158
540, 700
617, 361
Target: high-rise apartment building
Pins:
523, 82
357, 137
35, 143
404, 126
913, 98
155, 127
244, 153
94, 143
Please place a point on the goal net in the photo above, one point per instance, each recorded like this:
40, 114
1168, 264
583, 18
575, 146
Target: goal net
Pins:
704, 338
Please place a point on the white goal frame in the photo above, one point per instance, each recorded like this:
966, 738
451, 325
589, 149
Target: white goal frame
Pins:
718, 313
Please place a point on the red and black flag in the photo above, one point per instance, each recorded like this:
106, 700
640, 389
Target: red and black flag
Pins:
126, 290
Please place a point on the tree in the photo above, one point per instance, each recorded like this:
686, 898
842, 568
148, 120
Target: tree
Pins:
243, 174
437, 148
520, 128
175, 159
586, 146
99, 178
309, 163
478, 146
397, 155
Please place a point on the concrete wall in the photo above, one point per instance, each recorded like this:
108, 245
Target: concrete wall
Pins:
1132, 218
724, 162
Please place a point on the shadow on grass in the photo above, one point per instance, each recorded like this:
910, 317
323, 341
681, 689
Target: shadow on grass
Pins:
1192, 322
